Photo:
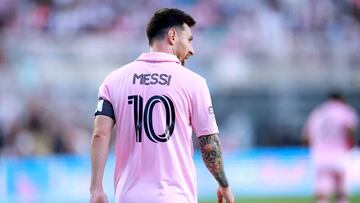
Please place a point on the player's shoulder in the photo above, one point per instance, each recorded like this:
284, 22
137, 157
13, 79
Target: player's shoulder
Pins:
191, 75
350, 109
119, 72
319, 110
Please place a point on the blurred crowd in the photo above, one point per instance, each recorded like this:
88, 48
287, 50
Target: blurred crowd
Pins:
73, 16
42, 113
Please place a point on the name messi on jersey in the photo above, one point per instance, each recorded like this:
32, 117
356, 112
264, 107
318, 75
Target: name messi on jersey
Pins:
151, 79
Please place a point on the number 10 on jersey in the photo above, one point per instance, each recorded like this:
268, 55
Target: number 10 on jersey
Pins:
145, 117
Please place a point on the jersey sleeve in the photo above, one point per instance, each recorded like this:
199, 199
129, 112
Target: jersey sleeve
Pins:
104, 105
104, 90
203, 119
352, 121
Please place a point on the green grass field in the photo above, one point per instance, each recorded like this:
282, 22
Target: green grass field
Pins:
277, 200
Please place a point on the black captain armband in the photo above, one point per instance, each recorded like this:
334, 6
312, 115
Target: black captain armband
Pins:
104, 108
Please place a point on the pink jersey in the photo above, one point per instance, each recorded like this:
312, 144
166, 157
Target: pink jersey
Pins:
157, 103
326, 128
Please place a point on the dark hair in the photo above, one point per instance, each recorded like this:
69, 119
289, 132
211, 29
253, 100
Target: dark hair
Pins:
336, 95
163, 20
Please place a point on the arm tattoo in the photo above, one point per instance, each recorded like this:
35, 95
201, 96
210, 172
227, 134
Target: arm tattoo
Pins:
212, 157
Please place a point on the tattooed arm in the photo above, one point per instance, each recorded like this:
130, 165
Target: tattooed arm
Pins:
211, 154
212, 157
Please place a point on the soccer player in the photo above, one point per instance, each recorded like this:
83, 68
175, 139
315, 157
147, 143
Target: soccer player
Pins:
154, 104
330, 132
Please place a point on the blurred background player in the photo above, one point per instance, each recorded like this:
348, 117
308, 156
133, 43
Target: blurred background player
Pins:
155, 103
330, 132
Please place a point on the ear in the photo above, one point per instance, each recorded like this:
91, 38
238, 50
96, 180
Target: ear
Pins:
171, 36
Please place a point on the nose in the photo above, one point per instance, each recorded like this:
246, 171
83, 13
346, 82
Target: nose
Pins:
191, 50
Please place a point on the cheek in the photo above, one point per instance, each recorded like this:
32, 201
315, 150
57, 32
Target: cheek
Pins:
185, 47
181, 48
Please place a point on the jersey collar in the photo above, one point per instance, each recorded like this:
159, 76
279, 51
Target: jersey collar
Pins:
158, 57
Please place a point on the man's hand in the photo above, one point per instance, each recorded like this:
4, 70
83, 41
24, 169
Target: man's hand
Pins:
225, 193
98, 197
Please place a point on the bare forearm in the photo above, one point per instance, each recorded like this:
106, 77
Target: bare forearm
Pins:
212, 157
99, 153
